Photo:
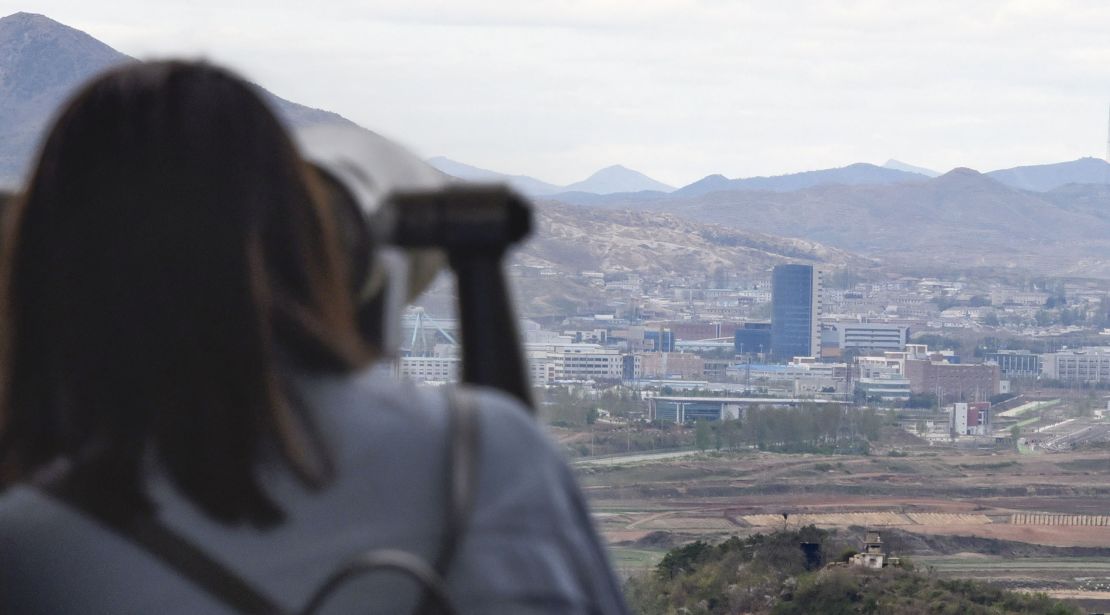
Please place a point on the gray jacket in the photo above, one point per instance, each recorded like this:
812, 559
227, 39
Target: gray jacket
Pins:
530, 546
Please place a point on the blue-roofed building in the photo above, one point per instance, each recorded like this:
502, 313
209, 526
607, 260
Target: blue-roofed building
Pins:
682, 409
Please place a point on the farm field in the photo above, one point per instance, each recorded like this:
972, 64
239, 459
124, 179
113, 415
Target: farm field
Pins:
1029, 521
1082, 579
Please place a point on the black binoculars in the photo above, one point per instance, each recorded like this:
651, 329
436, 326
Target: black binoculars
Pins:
474, 225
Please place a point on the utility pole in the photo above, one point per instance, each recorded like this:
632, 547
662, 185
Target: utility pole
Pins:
849, 390
748, 376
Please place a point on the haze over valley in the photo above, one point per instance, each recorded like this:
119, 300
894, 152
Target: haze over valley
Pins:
1039, 219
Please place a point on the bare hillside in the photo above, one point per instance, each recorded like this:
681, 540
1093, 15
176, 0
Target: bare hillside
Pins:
571, 239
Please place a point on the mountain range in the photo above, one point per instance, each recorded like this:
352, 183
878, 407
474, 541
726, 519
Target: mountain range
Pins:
614, 182
851, 175
1046, 177
655, 245
1046, 218
42, 62
962, 219
613, 179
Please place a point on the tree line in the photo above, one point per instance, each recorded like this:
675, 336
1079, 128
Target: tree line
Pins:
828, 428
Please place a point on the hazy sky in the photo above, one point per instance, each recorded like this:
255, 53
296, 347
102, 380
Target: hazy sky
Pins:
678, 90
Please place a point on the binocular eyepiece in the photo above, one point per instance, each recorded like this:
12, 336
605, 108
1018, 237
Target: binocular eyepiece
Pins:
473, 225
403, 218
460, 219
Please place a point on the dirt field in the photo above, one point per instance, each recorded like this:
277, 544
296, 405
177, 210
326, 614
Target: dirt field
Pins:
1055, 500
1044, 535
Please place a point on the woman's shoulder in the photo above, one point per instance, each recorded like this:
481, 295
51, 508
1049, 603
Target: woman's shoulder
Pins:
374, 396
528, 539
45, 545
21, 511
371, 410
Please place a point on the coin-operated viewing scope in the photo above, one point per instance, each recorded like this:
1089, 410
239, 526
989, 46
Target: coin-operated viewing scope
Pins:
402, 221
474, 225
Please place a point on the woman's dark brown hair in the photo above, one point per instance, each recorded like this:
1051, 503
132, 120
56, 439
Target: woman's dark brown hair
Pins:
166, 267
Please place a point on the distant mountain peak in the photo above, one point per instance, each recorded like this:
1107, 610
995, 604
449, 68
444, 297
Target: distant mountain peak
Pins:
618, 178
962, 171
31, 33
963, 179
612, 179
43, 61
23, 17
1046, 177
710, 183
898, 165
30, 37
611, 170
964, 175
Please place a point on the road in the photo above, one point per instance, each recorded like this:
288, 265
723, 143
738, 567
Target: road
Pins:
1089, 433
635, 458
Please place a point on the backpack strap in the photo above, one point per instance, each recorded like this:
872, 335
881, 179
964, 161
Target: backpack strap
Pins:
461, 475
460, 485
147, 532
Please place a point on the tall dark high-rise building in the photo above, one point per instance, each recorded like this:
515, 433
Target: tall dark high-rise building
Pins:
795, 312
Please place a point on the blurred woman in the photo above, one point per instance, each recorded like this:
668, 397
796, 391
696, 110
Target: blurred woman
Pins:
178, 345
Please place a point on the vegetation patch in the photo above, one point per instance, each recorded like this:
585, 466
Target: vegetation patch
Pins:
1086, 465
775, 574
988, 466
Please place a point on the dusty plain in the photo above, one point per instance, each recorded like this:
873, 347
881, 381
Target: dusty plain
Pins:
1038, 521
